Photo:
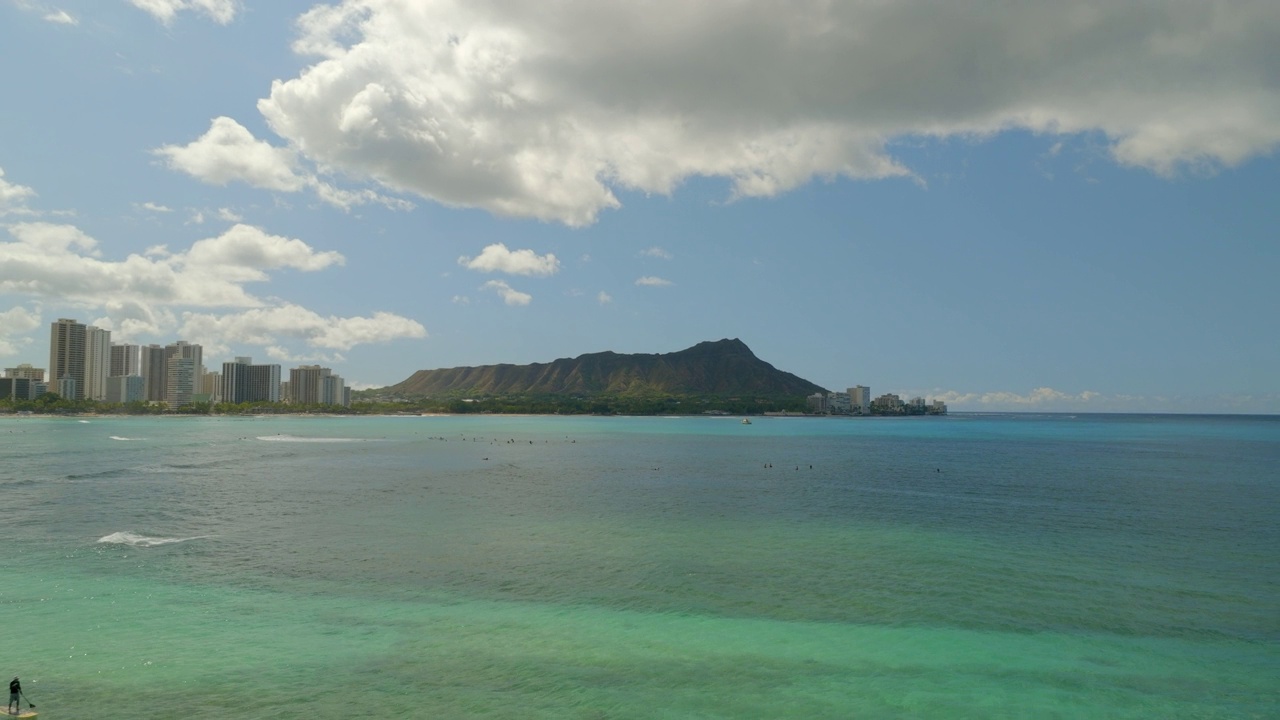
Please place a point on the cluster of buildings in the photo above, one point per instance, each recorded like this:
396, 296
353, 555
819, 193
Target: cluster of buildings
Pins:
858, 401
85, 365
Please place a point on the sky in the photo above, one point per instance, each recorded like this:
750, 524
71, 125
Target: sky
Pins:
1032, 206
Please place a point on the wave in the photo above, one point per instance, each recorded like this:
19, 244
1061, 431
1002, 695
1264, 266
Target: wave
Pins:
143, 541
117, 437
298, 439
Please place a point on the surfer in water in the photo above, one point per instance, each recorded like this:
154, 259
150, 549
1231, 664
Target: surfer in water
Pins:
15, 692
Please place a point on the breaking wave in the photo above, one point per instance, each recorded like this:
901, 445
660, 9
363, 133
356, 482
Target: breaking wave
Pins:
117, 437
142, 541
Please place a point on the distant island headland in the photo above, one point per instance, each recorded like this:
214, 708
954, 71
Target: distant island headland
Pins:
712, 377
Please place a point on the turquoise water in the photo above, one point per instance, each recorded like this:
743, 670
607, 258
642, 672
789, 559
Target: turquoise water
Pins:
545, 567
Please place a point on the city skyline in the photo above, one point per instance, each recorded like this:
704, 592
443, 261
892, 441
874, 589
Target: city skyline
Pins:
84, 364
1057, 207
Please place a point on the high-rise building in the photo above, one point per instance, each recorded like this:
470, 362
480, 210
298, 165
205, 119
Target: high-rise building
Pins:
211, 385
314, 385
242, 381
860, 399
25, 371
126, 388
66, 357
155, 371
181, 384
97, 362
125, 360
182, 377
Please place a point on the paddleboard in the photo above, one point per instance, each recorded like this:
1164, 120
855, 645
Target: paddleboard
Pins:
22, 714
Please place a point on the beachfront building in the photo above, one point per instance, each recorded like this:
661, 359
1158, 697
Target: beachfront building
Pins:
155, 371
126, 388
839, 403
816, 403
860, 399
97, 362
242, 381
14, 388
126, 359
183, 371
888, 404
25, 371
79, 354
66, 355
315, 385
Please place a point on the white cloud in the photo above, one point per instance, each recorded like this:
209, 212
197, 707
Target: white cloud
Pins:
220, 11
142, 295
537, 110
228, 152
155, 207
604, 298
60, 262
509, 295
497, 258
61, 17
228, 215
263, 326
14, 324
13, 198
244, 251
461, 300
656, 252
651, 281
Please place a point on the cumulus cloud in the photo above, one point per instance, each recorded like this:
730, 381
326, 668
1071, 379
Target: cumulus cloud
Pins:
13, 198
536, 110
604, 298
14, 324
155, 207
219, 11
497, 258
509, 295
143, 294
651, 281
263, 326
656, 252
228, 152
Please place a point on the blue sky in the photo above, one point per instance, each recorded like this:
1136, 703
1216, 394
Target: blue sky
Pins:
1052, 206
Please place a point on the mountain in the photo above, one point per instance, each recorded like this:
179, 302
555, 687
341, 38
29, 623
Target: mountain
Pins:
723, 368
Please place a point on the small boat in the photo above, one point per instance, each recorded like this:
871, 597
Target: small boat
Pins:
746, 421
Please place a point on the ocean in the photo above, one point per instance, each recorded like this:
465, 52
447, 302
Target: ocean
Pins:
968, 566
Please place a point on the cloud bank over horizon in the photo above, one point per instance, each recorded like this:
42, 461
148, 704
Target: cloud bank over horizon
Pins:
544, 111
200, 293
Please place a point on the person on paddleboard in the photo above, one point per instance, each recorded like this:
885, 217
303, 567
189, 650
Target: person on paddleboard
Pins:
15, 691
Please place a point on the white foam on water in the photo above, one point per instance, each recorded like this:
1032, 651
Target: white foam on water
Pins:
117, 437
86, 422
142, 541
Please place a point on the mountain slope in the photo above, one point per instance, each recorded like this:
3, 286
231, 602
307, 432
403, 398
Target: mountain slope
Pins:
723, 367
